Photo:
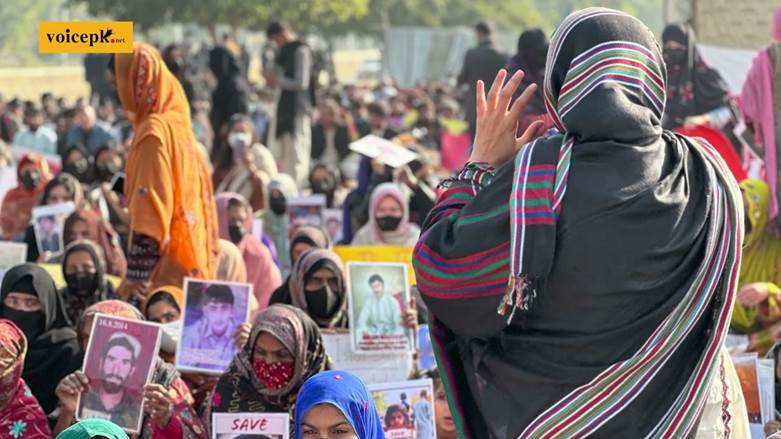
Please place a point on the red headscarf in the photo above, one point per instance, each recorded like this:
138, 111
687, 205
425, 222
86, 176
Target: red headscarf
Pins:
20, 413
18, 203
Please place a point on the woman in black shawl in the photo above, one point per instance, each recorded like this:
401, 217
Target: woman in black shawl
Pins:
284, 349
696, 92
584, 288
29, 298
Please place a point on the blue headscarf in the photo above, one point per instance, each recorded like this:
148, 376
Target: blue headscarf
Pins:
346, 392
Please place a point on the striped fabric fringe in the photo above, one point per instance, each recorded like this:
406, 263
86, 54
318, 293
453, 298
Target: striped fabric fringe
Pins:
588, 407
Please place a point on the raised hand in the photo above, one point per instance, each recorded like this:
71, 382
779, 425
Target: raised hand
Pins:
497, 121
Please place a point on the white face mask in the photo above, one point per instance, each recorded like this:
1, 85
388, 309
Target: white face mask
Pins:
238, 139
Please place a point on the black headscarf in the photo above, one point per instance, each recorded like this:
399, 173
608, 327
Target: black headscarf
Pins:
532, 50
693, 87
611, 222
74, 302
54, 352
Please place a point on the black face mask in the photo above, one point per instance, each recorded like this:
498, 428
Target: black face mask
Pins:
31, 179
326, 186
30, 322
82, 284
106, 172
78, 169
322, 303
388, 223
236, 232
674, 57
278, 205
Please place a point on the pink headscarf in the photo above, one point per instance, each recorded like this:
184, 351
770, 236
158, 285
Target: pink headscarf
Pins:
371, 234
262, 273
756, 103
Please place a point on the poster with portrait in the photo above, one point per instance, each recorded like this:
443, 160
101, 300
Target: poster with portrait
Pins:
379, 294
48, 223
370, 368
406, 409
11, 255
305, 211
250, 426
378, 253
332, 223
118, 363
213, 311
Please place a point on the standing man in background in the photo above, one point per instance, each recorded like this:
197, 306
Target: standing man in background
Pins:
480, 64
290, 141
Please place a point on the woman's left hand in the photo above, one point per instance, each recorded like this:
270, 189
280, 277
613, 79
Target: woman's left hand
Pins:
410, 318
158, 404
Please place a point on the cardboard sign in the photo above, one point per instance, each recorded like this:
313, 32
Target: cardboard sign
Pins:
370, 368
250, 426
378, 253
11, 255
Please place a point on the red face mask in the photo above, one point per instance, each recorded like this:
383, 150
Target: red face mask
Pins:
273, 375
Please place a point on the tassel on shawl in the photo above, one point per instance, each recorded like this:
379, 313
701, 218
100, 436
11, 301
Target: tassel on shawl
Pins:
519, 295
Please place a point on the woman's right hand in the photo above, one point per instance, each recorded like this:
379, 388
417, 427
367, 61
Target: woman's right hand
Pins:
495, 142
69, 389
241, 336
753, 293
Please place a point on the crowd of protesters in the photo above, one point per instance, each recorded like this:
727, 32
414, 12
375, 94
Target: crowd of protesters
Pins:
175, 156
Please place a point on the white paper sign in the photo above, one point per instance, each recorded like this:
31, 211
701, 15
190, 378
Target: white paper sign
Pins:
11, 255
374, 368
387, 152
250, 425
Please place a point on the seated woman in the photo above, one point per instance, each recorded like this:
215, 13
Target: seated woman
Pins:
317, 286
20, 414
247, 166
17, 206
757, 311
75, 162
164, 305
235, 218
281, 188
61, 189
168, 412
696, 92
85, 278
388, 219
284, 349
86, 224
29, 298
93, 428
336, 404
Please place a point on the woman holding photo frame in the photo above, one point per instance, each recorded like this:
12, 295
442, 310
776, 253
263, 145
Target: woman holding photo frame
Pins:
284, 349
167, 400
